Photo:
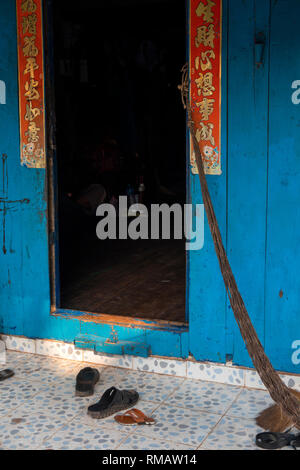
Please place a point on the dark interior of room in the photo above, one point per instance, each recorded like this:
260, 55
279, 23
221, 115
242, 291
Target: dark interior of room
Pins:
120, 130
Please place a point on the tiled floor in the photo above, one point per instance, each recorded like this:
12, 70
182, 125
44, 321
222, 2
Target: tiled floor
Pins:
38, 410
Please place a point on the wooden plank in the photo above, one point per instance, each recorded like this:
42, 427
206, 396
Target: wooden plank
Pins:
13, 187
247, 163
206, 292
283, 224
136, 347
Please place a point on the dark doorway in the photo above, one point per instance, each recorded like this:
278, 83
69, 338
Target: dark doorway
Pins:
120, 131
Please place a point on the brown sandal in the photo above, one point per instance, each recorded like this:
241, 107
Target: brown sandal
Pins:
134, 417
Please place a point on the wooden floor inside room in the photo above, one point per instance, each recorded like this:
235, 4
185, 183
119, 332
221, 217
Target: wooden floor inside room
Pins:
141, 279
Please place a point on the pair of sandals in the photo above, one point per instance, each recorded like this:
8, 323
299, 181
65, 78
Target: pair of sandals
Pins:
112, 401
277, 440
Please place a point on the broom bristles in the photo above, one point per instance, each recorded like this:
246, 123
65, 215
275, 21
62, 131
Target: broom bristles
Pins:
274, 419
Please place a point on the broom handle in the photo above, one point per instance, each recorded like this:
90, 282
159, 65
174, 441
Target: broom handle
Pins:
279, 392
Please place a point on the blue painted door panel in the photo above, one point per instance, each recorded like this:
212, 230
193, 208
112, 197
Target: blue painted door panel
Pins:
247, 162
282, 318
23, 204
206, 292
264, 174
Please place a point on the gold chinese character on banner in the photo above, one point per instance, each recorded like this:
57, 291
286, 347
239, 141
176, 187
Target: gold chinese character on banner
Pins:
206, 11
30, 49
31, 113
205, 84
31, 66
28, 6
31, 91
205, 36
205, 60
33, 132
206, 107
206, 133
29, 24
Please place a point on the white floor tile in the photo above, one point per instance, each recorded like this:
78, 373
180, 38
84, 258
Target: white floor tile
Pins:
232, 434
206, 396
249, 403
39, 409
74, 436
179, 425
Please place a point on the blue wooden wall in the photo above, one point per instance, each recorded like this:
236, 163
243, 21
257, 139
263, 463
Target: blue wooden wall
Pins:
282, 285
255, 198
24, 293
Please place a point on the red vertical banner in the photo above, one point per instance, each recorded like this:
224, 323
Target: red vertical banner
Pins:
205, 81
31, 83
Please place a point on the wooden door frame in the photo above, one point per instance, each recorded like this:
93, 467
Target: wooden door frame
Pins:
158, 327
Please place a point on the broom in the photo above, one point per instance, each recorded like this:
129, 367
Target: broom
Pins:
274, 419
286, 412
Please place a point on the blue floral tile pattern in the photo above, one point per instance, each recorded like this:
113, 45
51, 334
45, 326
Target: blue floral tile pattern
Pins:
39, 409
23, 427
58, 349
16, 386
232, 434
160, 366
216, 373
10, 403
19, 343
253, 380
249, 403
206, 396
139, 442
59, 404
179, 425
13, 357
77, 437
115, 361
39, 368
153, 387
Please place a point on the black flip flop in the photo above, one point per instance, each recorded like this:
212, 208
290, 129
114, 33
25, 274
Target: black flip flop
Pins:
277, 440
5, 374
85, 382
113, 401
